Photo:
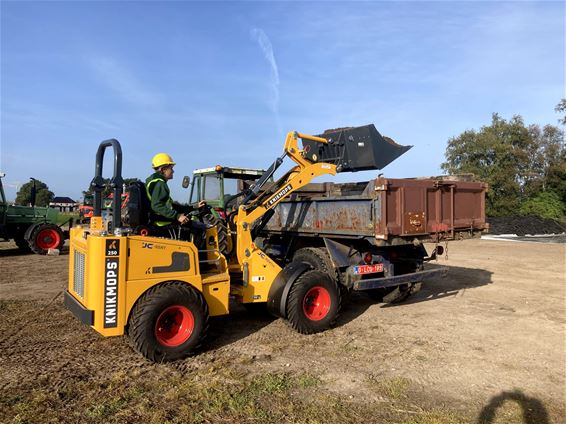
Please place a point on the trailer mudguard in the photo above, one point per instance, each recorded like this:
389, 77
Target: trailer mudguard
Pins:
279, 290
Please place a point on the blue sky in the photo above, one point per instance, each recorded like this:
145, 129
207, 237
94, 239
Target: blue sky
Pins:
222, 82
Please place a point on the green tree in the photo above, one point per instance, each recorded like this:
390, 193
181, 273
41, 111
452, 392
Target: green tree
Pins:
496, 154
42, 194
546, 204
517, 162
561, 108
548, 162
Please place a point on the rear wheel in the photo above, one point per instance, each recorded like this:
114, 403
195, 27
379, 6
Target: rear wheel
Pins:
45, 237
313, 303
169, 322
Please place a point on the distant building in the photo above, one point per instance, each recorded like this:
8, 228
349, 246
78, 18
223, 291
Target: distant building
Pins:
64, 204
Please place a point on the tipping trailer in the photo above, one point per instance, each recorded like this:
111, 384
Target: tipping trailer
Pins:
380, 225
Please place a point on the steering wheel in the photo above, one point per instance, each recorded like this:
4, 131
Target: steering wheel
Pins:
202, 212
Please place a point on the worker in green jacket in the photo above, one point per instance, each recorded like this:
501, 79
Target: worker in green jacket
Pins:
163, 211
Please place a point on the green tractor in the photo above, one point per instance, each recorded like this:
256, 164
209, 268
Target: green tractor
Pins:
33, 229
221, 187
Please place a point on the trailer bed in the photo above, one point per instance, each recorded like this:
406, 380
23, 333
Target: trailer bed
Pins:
385, 211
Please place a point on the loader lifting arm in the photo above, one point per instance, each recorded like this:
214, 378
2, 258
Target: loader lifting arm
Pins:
301, 174
348, 149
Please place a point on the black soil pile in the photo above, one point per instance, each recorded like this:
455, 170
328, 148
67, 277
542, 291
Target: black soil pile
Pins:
523, 225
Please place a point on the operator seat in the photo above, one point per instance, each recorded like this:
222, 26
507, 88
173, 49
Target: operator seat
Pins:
137, 215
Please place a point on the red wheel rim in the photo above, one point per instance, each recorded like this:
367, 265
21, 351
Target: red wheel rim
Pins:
174, 326
144, 232
316, 303
48, 238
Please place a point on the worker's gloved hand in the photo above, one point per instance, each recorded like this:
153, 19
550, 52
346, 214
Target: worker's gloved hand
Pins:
183, 219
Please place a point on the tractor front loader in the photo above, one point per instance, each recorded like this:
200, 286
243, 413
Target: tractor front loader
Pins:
161, 292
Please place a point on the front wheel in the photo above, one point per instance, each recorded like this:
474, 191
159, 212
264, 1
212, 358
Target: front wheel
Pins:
169, 322
313, 303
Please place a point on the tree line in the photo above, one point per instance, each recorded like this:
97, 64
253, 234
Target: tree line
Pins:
44, 196
524, 165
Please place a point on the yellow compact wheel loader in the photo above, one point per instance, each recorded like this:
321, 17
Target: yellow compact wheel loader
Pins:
162, 291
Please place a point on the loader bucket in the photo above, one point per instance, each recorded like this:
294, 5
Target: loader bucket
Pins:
354, 149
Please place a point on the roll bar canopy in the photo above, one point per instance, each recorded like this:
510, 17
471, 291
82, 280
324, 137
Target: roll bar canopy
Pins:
116, 183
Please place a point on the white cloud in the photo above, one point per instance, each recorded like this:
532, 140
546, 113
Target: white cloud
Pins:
262, 39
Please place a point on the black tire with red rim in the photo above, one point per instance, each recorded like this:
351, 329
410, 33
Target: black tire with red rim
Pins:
169, 322
313, 303
45, 237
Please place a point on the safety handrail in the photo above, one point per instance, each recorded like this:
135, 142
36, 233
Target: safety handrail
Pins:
97, 183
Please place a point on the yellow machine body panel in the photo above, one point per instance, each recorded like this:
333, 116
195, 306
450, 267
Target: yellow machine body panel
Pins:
259, 272
108, 274
152, 257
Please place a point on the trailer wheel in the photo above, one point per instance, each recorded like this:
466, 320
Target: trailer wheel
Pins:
169, 322
318, 258
313, 303
45, 237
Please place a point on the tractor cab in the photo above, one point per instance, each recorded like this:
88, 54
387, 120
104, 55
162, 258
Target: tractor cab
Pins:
219, 186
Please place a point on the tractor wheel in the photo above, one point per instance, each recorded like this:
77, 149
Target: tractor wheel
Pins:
313, 303
223, 243
23, 245
318, 258
169, 322
45, 237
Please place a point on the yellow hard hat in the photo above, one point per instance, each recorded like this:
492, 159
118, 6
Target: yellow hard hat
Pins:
161, 159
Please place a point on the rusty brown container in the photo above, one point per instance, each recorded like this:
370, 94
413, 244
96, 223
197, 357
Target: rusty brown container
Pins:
385, 211
434, 208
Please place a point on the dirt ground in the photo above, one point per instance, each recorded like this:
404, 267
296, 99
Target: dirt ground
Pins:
486, 344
